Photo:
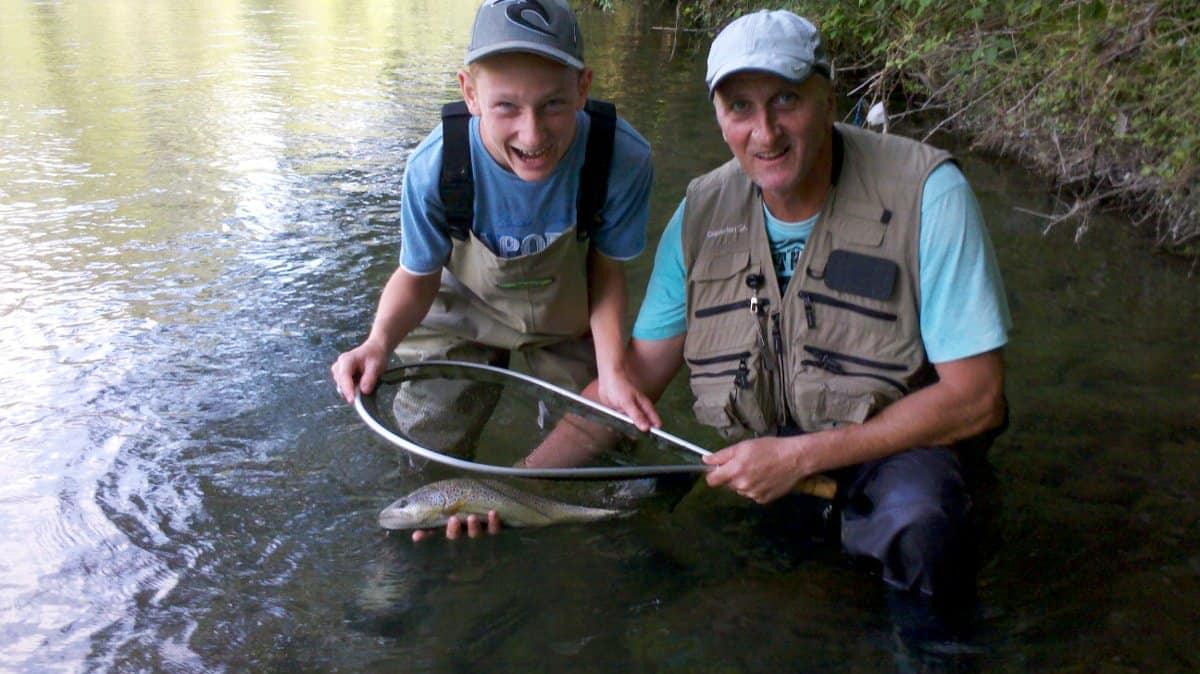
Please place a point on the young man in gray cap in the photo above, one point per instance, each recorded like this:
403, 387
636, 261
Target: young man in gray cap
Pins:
515, 220
835, 296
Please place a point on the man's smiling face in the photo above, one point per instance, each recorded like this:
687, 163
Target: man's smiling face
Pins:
526, 106
776, 129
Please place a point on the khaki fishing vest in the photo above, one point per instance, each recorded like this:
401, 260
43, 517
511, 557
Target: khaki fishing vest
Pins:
510, 303
844, 341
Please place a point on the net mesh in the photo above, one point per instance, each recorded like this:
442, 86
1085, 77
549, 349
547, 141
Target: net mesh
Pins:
493, 417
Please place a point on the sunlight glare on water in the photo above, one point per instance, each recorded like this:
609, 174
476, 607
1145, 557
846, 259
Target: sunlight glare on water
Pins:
198, 207
160, 173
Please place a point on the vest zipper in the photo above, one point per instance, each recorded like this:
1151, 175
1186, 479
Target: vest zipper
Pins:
831, 361
755, 304
741, 376
810, 315
783, 408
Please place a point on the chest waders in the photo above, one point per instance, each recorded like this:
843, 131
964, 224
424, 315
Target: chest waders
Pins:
536, 302
532, 299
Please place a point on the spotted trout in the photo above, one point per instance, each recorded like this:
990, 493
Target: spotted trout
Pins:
432, 505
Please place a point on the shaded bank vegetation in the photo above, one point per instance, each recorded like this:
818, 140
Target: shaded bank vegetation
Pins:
1100, 96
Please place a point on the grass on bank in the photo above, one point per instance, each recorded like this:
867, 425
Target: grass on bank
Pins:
1102, 96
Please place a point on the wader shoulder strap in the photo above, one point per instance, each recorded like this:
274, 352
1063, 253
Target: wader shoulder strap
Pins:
456, 182
593, 180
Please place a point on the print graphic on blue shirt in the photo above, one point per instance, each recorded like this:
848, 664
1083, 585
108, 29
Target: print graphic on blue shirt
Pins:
514, 238
787, 243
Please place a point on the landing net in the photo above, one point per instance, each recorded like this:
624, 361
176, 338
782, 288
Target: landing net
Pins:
495, 421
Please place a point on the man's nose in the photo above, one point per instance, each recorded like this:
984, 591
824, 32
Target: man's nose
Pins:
765, 127
529, 128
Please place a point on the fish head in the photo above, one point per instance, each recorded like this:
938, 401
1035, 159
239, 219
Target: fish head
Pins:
408, 512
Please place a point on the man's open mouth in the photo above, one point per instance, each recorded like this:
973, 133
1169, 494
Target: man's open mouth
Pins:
531, 155
769, 156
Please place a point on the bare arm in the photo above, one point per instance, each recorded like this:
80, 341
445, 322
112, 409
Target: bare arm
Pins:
574, 440
967, 400
607, 298
402, 306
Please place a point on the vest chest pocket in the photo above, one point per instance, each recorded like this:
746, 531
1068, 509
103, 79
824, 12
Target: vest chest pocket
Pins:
722, 315
733, 393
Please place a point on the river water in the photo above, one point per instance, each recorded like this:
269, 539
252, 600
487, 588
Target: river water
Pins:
198, 206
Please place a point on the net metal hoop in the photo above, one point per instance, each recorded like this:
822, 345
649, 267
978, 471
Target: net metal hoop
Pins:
368, 409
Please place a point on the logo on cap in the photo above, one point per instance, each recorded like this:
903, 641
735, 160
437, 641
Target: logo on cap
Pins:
515, 12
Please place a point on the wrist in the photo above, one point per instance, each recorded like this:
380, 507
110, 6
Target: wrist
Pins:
609, 363
378, 342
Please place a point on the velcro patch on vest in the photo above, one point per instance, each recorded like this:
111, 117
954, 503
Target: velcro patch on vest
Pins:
859, 274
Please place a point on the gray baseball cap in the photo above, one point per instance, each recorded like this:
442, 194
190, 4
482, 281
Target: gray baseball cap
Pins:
776, 42
543, 27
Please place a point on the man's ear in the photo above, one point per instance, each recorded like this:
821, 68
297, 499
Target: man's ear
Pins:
585, 85
466, 85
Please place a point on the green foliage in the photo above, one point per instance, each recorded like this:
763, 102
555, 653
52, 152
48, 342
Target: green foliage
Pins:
1099, 93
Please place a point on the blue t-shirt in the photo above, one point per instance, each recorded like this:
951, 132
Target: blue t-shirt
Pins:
964, 311
514, 217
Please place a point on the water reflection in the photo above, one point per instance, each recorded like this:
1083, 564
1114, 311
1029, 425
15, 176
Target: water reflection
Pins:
197, 209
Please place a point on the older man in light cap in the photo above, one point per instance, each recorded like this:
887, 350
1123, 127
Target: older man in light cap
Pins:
835, 296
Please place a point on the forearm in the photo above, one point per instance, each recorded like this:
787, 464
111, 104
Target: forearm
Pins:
405, 300
607, 305
575, 440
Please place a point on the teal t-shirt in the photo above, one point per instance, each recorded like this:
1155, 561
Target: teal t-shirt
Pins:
964, 311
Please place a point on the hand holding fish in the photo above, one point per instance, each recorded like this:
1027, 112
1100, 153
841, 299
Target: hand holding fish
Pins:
455, 526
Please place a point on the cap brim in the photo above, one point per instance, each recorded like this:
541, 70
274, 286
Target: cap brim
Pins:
551, 53
792, 70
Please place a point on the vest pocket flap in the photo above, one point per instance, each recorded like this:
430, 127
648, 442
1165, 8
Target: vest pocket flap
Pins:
723, 266
861, 223
861, 232
733, 393
714, 406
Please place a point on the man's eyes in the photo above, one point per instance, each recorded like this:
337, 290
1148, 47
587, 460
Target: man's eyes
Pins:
553, 105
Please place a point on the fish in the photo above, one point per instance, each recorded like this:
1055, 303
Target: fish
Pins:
433, 504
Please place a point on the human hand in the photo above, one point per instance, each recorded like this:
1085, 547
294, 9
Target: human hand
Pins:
761, 469
359, 368
617, 392
454, 527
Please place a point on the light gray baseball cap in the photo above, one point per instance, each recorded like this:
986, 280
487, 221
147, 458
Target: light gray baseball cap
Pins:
776, 42
543, 27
